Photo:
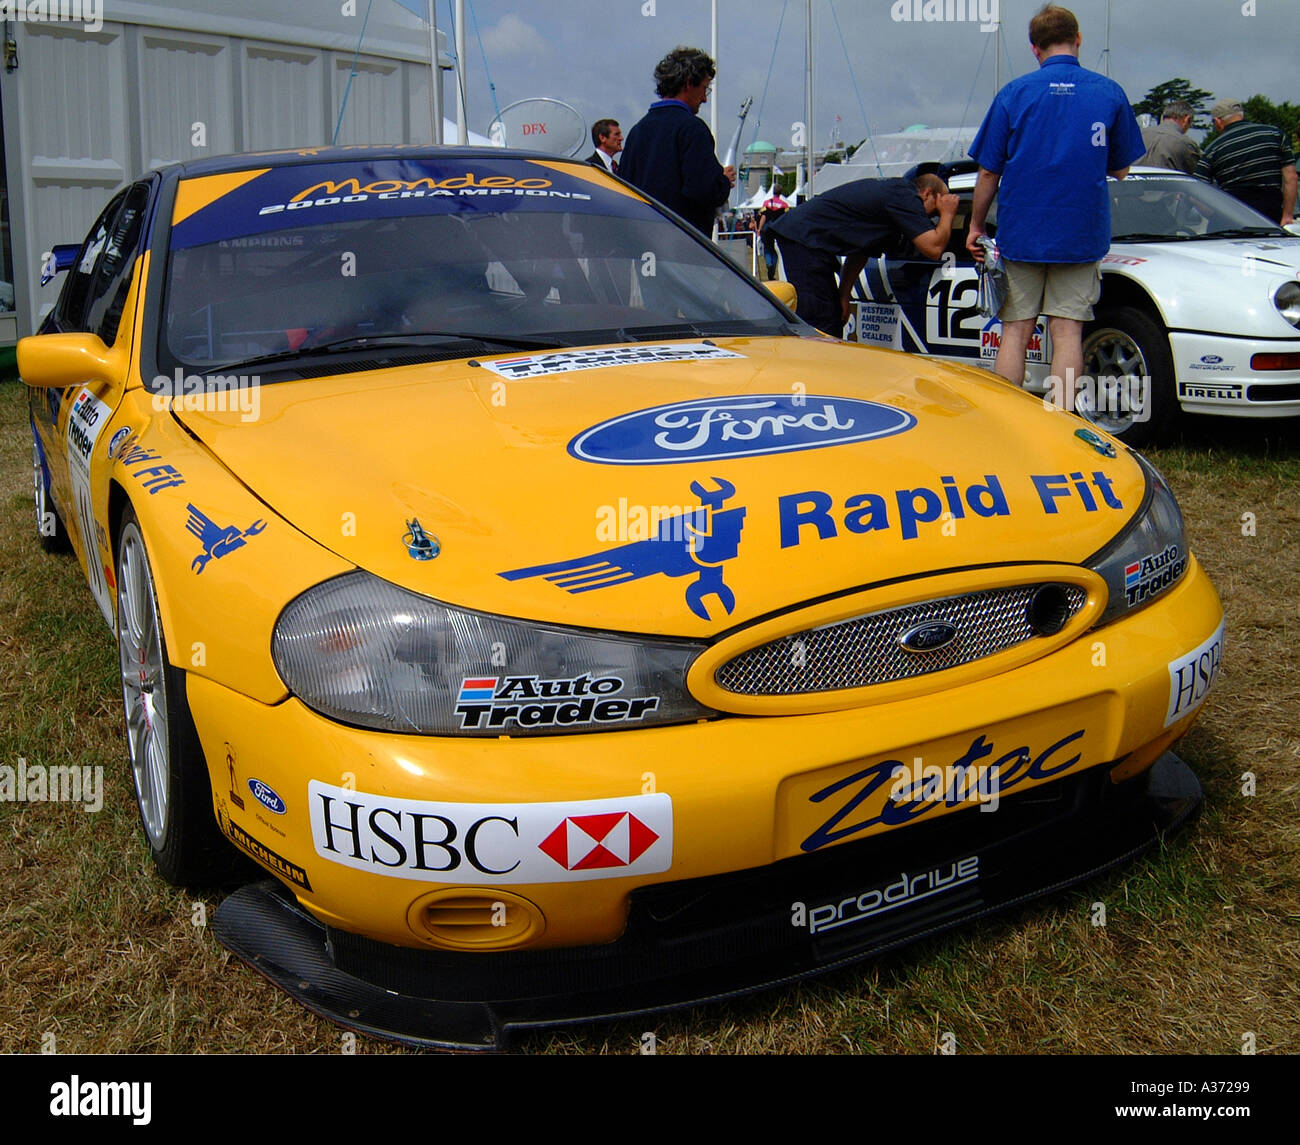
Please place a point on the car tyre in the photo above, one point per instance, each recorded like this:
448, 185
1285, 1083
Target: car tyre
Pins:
1123, 341
50, 530
172, 789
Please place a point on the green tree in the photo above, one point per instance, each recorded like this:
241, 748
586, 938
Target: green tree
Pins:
1153, 103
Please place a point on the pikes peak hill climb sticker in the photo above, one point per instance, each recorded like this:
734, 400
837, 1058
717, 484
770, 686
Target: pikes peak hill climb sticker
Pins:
750, 425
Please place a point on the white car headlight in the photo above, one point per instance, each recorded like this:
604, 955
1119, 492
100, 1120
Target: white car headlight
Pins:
1149, 556
366, 652
1287, 300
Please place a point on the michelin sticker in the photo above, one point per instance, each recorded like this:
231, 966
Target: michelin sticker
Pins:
571, 361
495, 843
1192, 676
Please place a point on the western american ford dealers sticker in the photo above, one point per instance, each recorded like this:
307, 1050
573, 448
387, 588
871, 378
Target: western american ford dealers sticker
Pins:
496, 843
1192, 676
571, 361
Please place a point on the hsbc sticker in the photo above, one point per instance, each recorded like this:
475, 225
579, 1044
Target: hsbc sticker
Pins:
492, 843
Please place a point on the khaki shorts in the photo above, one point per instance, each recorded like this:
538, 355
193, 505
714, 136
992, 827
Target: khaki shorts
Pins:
1059, 290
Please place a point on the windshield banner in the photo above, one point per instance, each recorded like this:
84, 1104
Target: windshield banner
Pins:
282, 198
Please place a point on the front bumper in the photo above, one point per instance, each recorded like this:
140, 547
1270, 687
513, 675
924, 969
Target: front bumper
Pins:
1214, 375
744, 792
712, 938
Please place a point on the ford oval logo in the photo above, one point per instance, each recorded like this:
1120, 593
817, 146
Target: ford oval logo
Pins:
712, 429
1211, 359
928, 637
266, 796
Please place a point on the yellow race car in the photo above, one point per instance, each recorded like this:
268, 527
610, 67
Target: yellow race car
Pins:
569, 629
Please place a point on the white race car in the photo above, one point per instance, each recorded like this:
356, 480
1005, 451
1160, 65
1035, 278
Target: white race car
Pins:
1199, 309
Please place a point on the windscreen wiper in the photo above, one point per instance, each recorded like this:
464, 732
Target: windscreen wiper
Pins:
1147, 237
390, 342
1247, 233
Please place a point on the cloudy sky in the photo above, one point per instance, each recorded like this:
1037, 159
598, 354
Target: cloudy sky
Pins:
599, 55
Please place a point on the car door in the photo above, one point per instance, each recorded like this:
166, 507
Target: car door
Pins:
69, 422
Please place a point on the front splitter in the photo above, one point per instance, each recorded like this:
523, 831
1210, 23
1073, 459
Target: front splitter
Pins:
703, 940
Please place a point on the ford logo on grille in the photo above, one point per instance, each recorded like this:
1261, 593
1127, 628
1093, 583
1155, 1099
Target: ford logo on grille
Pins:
1211, 359
711, 429
928, 637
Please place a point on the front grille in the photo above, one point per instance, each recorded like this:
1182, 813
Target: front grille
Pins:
865, 650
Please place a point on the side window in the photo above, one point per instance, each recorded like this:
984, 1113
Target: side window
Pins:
107, 294
71, 307
95, 293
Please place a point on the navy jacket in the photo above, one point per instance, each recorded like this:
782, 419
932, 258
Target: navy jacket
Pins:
670, 156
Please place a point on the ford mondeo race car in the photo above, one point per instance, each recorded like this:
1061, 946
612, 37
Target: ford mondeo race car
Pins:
566, 628
1199, 309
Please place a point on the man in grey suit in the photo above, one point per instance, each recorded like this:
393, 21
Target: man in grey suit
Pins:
1167, 143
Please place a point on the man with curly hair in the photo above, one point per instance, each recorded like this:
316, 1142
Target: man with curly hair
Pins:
670, 152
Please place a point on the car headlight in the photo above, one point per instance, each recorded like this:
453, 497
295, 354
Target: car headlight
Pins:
1149, 556
366, 652
1287, 300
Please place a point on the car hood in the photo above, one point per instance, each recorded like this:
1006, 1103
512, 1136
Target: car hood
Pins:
783, 470
1282, 254
1221, 285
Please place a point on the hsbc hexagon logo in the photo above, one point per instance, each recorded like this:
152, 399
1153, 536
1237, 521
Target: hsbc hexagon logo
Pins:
592, 842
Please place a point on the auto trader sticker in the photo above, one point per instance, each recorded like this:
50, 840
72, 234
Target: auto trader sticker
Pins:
497, 843
695, 543
1153, 573
531, 702
571, 361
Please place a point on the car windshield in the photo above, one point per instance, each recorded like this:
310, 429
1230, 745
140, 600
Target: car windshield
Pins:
341, 256
1152, 208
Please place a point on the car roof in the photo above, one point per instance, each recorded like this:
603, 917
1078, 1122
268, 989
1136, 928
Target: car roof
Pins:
966, 180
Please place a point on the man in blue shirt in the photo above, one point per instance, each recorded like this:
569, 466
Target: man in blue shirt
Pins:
1049, 141
669, 153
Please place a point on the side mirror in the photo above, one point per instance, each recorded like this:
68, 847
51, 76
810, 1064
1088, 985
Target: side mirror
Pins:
52, 361
783, 292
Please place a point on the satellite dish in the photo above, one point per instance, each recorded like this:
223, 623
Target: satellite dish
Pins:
540, 124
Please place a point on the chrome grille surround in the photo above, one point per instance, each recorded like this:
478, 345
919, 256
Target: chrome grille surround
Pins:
865, 650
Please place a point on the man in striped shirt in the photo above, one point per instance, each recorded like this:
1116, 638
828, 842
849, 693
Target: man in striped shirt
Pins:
1251, 161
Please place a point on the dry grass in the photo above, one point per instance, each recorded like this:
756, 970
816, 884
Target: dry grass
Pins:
1202, 942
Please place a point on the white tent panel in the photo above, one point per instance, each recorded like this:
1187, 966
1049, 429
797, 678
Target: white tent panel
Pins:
86, 111
283, 98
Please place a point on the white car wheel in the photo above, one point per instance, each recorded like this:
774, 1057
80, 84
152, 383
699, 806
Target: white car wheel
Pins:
1127, 356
